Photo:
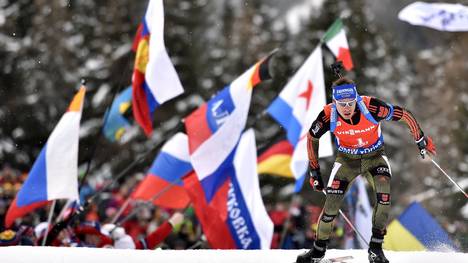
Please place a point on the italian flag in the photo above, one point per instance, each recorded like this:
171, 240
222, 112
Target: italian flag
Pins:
335, 39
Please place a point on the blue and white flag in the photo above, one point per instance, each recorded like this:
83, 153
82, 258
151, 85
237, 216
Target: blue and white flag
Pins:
440, 16
297, 106
360, 212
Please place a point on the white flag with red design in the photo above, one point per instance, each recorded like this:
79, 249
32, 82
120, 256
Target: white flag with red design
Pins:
297, 106
335, 39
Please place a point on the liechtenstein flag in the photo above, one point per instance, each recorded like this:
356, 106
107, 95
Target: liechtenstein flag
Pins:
155, 79
297, 106
116, 124
169, 166
232, 213
54, 174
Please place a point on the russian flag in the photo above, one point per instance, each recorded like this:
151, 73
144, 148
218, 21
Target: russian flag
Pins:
54, 174
155, 79
215, 127
296, 107
232, 213
169, 166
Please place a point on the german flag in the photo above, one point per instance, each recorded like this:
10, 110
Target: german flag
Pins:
276, 160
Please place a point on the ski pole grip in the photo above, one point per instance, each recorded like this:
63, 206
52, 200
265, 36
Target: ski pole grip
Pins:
422, 146
423, 153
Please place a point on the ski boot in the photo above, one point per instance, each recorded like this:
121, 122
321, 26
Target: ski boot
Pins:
315, 254
377, 256
375, 251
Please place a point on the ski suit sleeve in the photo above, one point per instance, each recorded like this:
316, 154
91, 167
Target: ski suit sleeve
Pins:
319, 127
383, 111
155, 238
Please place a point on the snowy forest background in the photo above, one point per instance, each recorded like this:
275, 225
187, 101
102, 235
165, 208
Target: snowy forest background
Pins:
46, 47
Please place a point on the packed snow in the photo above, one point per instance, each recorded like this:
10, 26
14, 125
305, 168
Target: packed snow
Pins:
21, 254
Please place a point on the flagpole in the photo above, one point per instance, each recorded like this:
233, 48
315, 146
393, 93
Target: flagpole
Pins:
154, 197
121, 210
124, 172
62, 212
120, 175
165, 189
98, 136
49, 221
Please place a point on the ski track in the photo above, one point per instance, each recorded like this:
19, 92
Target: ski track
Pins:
23, 254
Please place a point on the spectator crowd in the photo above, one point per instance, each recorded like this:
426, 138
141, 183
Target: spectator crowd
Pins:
108, 222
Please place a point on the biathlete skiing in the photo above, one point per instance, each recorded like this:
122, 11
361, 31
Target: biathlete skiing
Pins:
355, 122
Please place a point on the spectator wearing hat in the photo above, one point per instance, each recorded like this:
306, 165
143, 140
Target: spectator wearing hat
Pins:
90, 234
22, 237
9, 238
122, 240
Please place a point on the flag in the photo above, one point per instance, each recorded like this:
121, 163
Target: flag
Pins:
215, 127
335, 39
116, 123
298, 104
360, 212
235, 217
416, 230
70, 207
174, 162
276, 160
54, 174
155, 79
440, 16
169, 166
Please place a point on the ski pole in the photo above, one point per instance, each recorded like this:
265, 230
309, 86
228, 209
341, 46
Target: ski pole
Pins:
353, 227
450, 178
350, 223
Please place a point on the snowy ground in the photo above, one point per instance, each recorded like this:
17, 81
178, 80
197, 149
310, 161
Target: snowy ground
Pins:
91, 255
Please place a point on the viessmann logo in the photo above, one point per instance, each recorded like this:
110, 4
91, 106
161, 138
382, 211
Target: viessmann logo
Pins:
353, 132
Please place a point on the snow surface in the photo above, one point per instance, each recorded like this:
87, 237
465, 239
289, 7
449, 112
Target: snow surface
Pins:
89, 255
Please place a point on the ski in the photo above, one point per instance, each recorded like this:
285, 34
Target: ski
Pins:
336, 260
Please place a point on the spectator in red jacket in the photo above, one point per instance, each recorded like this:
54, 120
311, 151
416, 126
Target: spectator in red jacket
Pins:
124, 241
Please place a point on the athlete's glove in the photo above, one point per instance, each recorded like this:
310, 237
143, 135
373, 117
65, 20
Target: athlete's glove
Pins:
315, 180
425, 145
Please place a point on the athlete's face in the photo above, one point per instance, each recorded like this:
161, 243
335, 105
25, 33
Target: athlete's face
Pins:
346, 107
